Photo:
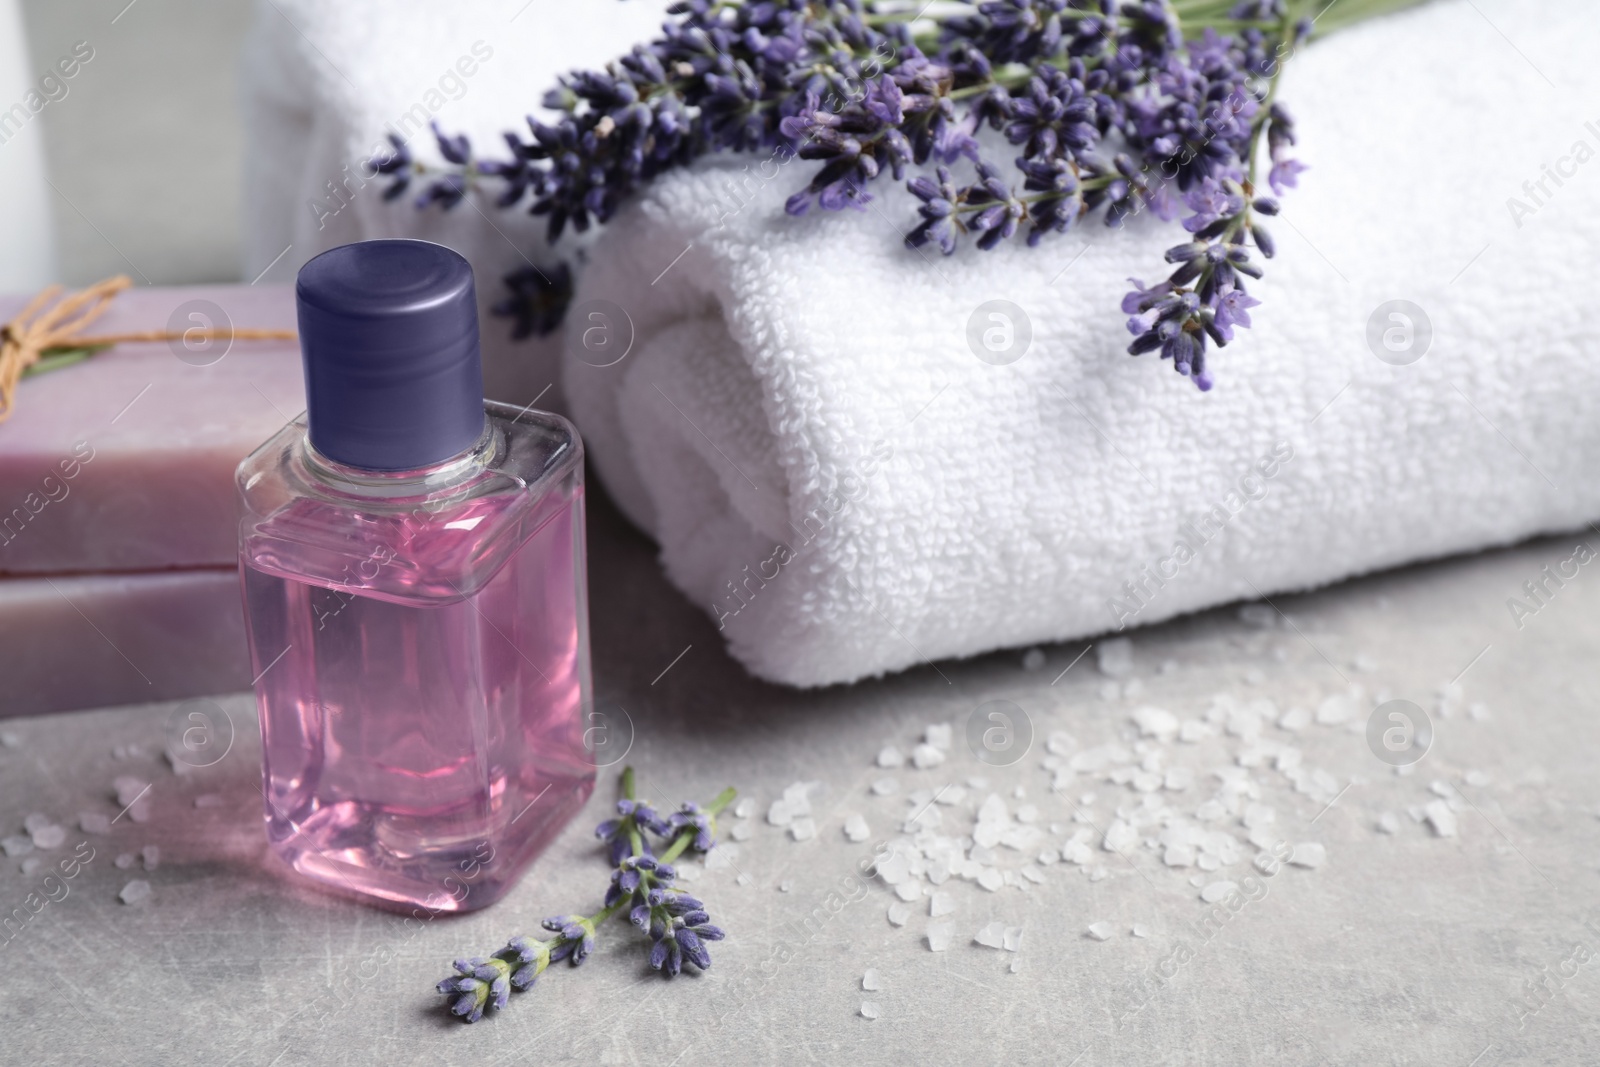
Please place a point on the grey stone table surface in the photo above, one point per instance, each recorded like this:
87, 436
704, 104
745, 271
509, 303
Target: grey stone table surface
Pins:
1463, 937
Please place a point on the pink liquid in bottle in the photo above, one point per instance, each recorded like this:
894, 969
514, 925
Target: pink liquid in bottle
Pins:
420, 638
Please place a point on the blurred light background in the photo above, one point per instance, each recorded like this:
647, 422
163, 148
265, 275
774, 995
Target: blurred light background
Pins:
144, 152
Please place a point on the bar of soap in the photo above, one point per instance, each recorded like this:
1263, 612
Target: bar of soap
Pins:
96, 640
124, 462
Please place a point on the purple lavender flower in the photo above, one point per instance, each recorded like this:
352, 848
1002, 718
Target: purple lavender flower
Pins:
536, 300
704, 824
577, 937
860, 96
634, 816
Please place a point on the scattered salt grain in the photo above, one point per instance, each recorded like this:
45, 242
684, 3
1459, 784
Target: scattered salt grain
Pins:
939, 735
93, 822
742, 810
37, 821
992, 935
939, 936
1120, 837
1294, 720
1440, 818
1156, 722
49, 836
803, 829
139, 811
1110, 690
1033, 874
925, 756
889, 756
1100, 931
1309, 854
1016, 966
1388, 824
1033, 660
991, 879
1254, 676
871, 982
855, 828
128, 788
742, 831
16, 844
1060, 743
124, 861
785, 886
898, 914
745, 879
1179, 856
910, 892
1217, 891
1259, 815
1476, 779
134, 891
31, 864
940, 904
1141, 930
1114, 657
1013, 939
869, 1009
884, 787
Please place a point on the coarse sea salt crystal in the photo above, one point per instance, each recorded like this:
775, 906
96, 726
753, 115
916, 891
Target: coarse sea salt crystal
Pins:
1013, 939
16, 844
939, 735
898, 913
889, 757
1216, 891
1141, 930
895, 869
803, 829
1440, 818
134, 891
1033, 874
779, 814
37, 821
1258, 815
128, 788
855, 827
31, 864
1388, 823
742, 810
939, 936
869, 1009
992, 936
94, 822
908, 892
1098, 874
1294, 720
745, 879
884, 787
1120, 837
1100, 931
1179, 856
49, 836
1114, 657
991, 879
742, 832
871, 982
940, 904
1309, 854
139, 811
1060, 743
925, 756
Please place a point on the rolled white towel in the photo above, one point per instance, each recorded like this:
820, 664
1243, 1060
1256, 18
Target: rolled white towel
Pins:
324, 84
839, 470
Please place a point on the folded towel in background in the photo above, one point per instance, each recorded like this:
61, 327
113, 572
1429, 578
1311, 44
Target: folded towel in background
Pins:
858, 457
322, 86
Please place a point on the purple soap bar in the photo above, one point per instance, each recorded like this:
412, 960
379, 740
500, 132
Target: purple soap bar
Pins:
100, 639
124, 462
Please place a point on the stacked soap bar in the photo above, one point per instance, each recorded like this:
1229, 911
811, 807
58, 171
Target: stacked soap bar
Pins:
117, 507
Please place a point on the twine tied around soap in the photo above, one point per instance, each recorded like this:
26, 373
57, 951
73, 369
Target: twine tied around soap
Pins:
47, 334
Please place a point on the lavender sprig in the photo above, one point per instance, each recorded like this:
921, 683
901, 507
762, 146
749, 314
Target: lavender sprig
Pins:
1114, 107
641, 884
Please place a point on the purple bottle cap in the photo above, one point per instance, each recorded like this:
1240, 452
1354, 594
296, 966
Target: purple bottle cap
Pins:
389, 336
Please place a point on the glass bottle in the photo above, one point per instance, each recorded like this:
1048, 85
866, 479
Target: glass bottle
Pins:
412, 561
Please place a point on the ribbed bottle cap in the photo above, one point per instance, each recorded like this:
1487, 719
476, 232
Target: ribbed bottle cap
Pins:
389, 335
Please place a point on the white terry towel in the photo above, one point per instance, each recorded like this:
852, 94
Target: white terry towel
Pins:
834, 475
322, 85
